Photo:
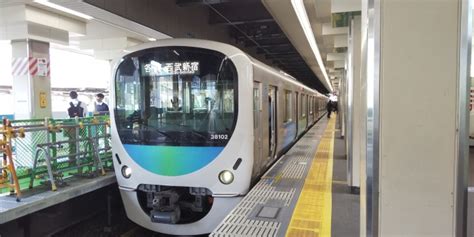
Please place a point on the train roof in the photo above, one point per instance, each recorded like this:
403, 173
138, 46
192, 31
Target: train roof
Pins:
282, 74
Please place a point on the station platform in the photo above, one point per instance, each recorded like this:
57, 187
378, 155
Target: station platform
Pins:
299, 196
38, 199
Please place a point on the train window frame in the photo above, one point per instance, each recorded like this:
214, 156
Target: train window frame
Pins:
288, 112
300, 112
141, 128
297, 106
257, 102
304, 106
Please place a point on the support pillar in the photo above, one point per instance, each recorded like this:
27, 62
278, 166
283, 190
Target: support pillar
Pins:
354, 106
31, 79
418, 54
341, 102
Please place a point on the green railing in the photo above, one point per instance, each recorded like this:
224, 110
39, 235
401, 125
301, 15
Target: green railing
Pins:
71, 147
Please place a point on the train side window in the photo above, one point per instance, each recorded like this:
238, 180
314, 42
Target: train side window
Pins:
304, 100
256, 104
300, 103
288, 103
307, 104
297, 107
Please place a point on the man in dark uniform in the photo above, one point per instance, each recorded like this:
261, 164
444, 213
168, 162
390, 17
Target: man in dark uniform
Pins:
101, 108
329, 107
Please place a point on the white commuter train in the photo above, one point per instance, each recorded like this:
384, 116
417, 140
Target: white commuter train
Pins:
195, 123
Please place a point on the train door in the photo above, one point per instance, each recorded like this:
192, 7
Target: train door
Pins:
272, 121
257, 127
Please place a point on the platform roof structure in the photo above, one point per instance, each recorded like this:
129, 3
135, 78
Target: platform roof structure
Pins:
271, 31
251, 25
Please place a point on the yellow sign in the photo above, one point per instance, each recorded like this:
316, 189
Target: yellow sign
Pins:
42, 99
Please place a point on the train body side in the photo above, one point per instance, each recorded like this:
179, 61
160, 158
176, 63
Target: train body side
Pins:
297, 108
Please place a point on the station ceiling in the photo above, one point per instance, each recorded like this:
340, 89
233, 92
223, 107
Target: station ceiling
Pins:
269, 30
251, 26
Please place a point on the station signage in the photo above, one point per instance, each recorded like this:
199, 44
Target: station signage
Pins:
42, 67
170, 68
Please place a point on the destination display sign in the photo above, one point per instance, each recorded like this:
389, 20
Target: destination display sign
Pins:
170, 68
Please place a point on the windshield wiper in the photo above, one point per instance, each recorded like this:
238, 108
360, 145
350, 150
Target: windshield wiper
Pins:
159, 131
165, 134
198, 133
192, 130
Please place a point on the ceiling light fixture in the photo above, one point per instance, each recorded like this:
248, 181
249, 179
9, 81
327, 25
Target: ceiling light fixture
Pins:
151, 39
300, 11
63, 9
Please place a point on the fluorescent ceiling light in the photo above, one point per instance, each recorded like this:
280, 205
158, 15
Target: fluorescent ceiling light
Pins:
75, 35
151, 39
300, 11
63, 9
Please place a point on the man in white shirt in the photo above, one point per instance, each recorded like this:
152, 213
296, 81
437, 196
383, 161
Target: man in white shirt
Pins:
76, 108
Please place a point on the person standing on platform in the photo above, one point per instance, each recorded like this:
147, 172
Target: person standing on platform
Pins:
76, 108
333, 100
331, 104
100, 108
329, 107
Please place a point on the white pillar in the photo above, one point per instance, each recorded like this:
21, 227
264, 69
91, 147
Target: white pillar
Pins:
31, 85
417, 87
354, 104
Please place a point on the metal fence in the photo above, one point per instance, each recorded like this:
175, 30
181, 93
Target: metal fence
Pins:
50, 150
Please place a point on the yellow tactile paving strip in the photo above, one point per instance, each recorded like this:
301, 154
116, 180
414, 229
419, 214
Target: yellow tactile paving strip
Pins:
312, 214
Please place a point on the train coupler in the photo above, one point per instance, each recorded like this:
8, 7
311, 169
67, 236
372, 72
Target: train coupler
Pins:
166, 207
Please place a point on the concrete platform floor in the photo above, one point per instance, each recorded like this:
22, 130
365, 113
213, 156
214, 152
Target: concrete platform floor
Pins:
345, 205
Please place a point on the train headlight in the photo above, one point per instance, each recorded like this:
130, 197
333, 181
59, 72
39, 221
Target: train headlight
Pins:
126, 171
226, 177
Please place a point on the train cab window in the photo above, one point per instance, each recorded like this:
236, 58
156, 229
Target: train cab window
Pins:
288, 105
176, 96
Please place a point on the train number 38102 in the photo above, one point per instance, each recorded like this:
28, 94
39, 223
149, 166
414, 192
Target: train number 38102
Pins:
219, 137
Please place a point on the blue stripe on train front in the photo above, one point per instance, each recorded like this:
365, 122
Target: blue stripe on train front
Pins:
172, 160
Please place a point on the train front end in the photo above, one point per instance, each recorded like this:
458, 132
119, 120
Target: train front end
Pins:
181, 161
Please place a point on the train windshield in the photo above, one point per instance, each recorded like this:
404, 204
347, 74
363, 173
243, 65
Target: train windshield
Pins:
176, 96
